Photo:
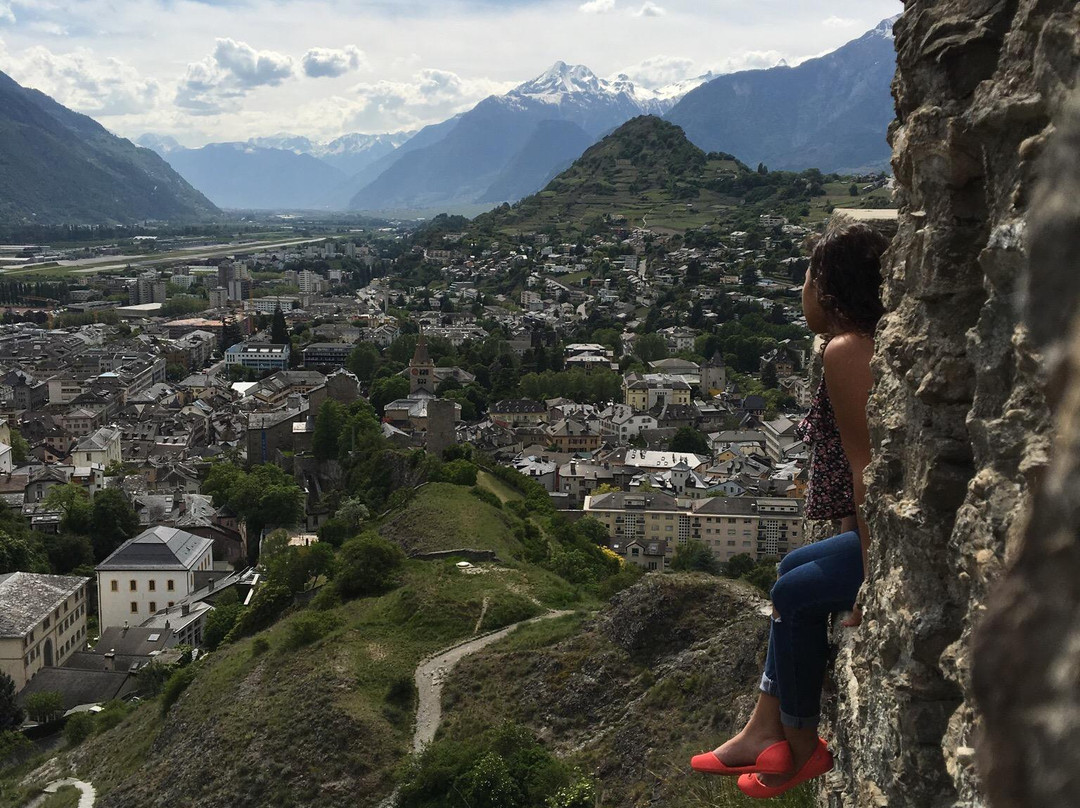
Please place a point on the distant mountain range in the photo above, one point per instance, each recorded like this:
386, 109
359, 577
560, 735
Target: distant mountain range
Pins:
60, 167
509, 146
830, 113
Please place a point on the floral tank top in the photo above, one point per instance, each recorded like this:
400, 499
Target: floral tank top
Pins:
829, 494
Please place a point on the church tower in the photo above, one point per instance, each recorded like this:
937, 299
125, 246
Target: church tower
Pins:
421, 370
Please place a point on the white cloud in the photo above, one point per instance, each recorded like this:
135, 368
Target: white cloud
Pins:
838, 22
83, 81
330, 62
650, 9
751, 60
7, 16
597, 6
213, 84
430, 95
659, 71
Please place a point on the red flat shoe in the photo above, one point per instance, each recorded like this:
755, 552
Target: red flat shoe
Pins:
775, 759
819, 763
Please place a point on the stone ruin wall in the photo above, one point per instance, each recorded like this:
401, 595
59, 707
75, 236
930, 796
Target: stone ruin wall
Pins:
963, 432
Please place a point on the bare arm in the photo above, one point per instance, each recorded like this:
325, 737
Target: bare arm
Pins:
848, 380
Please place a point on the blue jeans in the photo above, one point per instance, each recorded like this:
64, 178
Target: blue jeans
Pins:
814, 581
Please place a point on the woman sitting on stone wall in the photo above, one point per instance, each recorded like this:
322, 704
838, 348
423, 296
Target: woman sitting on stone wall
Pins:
779, 747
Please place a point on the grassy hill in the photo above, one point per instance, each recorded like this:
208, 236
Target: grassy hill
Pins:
648, 174
318, 709
440, 518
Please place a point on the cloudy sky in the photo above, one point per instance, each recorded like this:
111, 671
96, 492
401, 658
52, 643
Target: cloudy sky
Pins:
214, 70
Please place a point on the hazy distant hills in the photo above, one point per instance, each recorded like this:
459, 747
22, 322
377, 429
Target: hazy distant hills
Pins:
282, 171
238, 175
60, 167
830, 113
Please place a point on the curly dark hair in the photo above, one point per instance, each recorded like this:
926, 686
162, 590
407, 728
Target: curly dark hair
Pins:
846, 269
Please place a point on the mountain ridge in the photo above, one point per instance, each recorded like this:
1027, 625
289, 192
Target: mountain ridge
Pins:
831, 112
61, 167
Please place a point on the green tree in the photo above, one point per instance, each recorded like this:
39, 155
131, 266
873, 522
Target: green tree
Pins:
353, 512
694, 556
383, 391
44, 706
11, 714
174, 371
73, 503
763, 575
489, 784
20, 553
853, 190
688, 439
279, 330
219, 623
328, 426
738, 565
19, 447
368, 565
175, 687
78, 728
362, 361
650, 347
66, 551
769, 378
264, 497
112, 522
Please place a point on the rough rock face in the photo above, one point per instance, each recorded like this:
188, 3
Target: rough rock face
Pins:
959, 418
1027, 651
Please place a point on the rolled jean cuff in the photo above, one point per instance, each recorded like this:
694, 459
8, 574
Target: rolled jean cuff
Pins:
768, 687
799, 723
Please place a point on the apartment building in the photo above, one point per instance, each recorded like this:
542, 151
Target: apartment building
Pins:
760, 527
150, 572
42, 622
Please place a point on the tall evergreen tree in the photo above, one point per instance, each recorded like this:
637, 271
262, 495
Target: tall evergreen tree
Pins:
279, 331
11, 714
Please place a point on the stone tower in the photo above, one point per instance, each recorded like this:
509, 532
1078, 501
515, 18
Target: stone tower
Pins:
713, 376
421, 370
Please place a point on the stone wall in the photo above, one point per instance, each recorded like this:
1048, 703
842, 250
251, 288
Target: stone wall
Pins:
959, 418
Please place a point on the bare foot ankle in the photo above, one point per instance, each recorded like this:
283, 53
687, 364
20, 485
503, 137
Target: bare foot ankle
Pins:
743, 749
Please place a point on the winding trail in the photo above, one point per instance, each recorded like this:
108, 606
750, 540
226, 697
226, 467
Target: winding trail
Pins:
432, 672
88, 795
430, 675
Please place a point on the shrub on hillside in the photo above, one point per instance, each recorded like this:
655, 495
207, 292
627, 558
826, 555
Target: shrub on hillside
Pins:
505, 767
326, 598
268, 604
458, 472
219, 623
78, 728
484, 495
309, 627
177, 684
694, 556
368, 565
14, 746
335, 532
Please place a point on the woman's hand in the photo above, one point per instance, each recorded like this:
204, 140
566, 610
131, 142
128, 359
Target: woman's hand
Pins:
854, 619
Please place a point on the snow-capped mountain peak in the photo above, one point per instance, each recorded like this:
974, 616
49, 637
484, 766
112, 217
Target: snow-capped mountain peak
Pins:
577, 83
562, 79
